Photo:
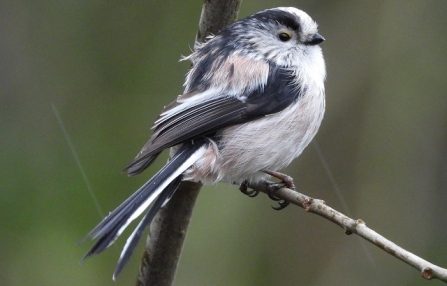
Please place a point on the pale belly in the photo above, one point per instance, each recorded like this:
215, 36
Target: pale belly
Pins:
269, 143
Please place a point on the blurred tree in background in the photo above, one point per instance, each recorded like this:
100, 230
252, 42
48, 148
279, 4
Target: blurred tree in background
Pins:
109, 67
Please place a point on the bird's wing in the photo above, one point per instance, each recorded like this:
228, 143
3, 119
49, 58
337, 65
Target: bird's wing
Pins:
197, 113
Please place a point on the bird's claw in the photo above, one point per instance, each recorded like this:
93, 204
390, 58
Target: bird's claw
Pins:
273, 198
273, 188
282, 205
286, 181
244, 189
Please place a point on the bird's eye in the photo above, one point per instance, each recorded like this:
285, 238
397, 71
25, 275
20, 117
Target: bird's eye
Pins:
284, 36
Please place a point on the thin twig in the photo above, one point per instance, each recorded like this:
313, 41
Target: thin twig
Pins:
168, 229
428, 270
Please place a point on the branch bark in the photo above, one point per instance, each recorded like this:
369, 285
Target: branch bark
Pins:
168, 229
428, 270
167, 234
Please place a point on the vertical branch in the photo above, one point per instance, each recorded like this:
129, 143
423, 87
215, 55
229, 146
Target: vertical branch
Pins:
215, 16
167, 234
168, 229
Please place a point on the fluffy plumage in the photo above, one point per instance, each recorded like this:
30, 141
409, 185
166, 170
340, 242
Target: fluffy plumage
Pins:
253, 100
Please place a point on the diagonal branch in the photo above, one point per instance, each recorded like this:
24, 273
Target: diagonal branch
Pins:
428, 270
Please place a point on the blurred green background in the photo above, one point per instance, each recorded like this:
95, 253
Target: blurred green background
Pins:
108, 67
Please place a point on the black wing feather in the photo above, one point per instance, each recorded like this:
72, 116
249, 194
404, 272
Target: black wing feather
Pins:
208, 117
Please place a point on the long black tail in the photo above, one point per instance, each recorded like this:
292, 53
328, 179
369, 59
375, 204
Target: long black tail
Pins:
157, 191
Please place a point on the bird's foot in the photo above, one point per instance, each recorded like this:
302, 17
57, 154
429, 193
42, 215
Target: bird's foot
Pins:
244, 189
286, 181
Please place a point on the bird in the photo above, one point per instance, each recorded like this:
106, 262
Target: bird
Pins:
253, 99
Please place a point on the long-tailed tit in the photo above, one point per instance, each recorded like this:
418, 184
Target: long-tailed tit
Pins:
253, 100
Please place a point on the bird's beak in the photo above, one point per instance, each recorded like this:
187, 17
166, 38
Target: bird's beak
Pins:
316, 39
